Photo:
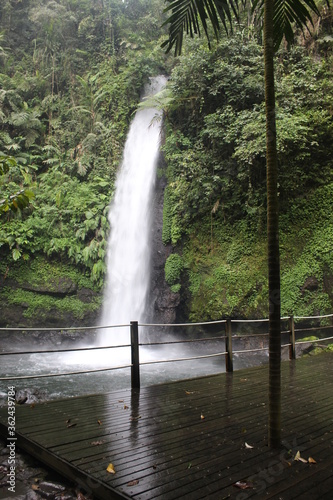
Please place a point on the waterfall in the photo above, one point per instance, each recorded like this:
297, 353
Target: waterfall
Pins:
128, 257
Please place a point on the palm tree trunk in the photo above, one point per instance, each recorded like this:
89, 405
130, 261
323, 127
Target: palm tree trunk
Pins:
274, 423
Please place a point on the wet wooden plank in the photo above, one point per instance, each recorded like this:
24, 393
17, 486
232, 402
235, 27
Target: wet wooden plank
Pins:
187, 439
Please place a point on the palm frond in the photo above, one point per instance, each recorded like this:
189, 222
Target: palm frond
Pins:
287, 14
189, 15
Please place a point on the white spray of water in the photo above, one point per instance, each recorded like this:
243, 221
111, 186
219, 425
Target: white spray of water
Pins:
128, 260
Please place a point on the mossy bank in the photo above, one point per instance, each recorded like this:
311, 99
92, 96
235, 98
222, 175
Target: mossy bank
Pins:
46, 293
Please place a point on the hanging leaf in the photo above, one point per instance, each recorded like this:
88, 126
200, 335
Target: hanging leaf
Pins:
110, 469
215, 207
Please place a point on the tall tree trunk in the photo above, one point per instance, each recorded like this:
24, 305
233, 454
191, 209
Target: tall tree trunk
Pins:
274, 424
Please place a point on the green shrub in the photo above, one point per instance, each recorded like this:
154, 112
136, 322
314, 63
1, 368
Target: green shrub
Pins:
173, 269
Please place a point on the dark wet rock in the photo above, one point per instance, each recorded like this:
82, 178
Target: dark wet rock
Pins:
49, 490
163, 303
33, 481
32, 495
30, 396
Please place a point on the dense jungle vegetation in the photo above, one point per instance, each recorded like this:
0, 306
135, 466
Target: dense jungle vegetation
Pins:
71, 74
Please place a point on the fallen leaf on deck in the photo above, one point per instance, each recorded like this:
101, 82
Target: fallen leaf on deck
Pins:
311, 460
243, 485
110, 469
99, 422
243, 379
96, 443
135, 418
71, 425
125, 407
68, 421
248, 446
298, 458
133, 483
202, 416
189, 392
120, 400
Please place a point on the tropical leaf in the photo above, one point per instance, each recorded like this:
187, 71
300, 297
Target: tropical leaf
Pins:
287, 13
189, 15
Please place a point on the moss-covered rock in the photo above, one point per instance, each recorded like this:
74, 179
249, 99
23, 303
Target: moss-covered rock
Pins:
46, 293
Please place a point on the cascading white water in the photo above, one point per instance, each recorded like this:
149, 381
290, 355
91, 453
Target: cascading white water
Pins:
128, 260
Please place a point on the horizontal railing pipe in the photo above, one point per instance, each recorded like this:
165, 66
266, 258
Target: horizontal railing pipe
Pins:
135, 344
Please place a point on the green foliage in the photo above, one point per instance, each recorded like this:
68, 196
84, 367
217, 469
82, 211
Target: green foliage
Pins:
71, 77
66, 101
37, 305
216, 195
173, 270
11, 198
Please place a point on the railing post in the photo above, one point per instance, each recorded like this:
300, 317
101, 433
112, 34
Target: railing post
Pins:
292, 346
228, 347
135, 369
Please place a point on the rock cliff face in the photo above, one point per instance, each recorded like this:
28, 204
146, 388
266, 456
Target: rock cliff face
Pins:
162, 302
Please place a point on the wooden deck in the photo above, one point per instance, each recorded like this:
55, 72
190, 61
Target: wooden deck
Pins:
189, 439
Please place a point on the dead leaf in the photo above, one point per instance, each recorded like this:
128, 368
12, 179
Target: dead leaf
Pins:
189, 392
248, 446
110, 468
202, 416
133, 483
134, 419
311, 460
243, 485
120, 400
71, 425
96, 443
298, 458
125, 407
243, 379
68, 421
35, 487
99, 422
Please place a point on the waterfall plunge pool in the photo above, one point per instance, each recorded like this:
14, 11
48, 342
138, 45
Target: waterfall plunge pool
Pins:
66, 386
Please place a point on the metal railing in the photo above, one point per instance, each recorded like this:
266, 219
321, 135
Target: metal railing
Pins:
226, 334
